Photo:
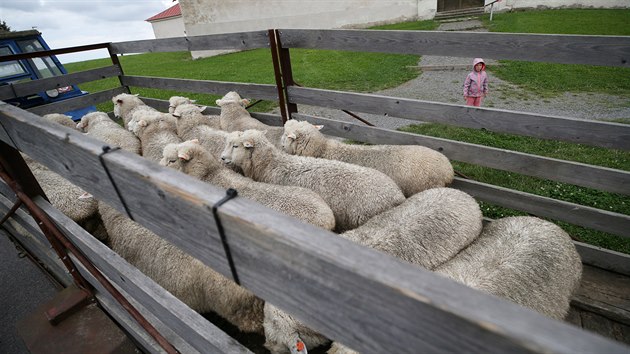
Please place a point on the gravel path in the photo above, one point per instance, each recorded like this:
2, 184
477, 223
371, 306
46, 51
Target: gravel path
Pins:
445, 86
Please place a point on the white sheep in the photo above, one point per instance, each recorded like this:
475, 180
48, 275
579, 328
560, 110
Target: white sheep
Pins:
191, 124
428, 229
234, 117
100, 126
125, 105
198, 286
306, 205
155, 130
60, 118
175, 101
354, 193
414, 168
527, 260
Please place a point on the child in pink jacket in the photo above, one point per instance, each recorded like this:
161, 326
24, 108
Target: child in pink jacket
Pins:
476, 84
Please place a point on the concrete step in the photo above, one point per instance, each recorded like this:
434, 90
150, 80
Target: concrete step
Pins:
475, 11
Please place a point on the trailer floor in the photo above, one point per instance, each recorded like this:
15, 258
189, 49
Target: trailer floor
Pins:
23, 287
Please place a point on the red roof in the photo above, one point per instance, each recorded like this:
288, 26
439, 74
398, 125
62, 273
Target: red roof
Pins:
172, 11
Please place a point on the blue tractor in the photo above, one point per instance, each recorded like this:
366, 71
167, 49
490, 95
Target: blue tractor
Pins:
17, 71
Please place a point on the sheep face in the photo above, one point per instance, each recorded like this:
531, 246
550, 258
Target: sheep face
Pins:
183, 156
232, 97
176, 101
239, 149
124, 100
297, 133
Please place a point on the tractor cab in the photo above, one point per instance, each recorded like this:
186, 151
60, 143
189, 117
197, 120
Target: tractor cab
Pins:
17, 71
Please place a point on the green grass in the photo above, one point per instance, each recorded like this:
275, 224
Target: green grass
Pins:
562, 191
338, 70
428, 25
549, 79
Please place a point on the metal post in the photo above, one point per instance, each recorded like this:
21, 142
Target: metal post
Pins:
491, 10
287, 73
273, 46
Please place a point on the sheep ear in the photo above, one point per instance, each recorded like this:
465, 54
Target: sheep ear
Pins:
291, 136
193, 101
319, 127
184, 155
218, 102
248, 144
137, 94
202, 108
194, 141
245, 101
142, 123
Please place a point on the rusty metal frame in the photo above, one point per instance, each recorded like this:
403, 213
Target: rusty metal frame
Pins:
60, 242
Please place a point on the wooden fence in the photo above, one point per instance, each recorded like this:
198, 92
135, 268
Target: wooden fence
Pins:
362, 298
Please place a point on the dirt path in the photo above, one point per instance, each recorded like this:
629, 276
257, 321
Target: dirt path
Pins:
445, 86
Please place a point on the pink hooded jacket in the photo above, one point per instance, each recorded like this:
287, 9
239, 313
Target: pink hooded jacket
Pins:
476, 84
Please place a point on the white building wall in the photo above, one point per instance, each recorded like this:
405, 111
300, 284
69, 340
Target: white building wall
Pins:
172, 27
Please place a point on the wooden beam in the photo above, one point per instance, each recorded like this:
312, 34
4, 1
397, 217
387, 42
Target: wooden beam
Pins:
35, 86
238, 41
220, 88
551, 48
602, 178
604, 134
363, 298
79, 102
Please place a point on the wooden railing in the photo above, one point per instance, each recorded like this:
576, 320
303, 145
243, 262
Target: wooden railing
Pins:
363, 298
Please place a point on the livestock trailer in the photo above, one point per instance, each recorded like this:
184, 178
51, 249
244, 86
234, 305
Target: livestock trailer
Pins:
365, 299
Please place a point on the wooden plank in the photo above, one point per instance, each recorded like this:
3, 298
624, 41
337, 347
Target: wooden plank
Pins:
238, 41
25, 230
195, 330
268, 92
267, 118
35, 86
79, 102
552, 48
363, 298
603, 258
598, 219
602, 178
591, 132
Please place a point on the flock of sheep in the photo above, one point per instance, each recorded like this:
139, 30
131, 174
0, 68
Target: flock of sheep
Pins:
392, 198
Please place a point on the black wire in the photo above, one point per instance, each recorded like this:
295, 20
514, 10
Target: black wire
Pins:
230, 194
108, 149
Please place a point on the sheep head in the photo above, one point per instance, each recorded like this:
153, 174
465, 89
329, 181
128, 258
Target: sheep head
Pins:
124, 100
176, 101
240, 148
91, 118
182, 109
178, 156
297, 135
232, 97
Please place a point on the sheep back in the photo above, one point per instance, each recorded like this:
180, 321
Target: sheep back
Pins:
527, 260
100, 126
354, 193
195, 284
414, 168
427, 229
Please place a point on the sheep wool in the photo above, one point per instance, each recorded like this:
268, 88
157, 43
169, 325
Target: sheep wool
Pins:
62, 119
155, 132
125, 105
100, 126
306, 205
427, 229
195, 284
354, 193
414, 168
234, 117
191, 124
175, 101
527, 260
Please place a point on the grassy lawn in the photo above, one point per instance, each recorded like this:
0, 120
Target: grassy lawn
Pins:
338, 70
552, 79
